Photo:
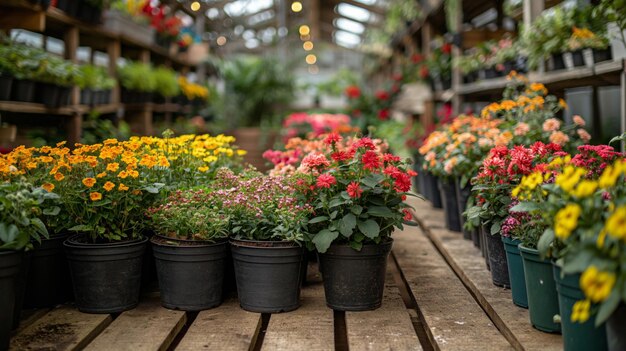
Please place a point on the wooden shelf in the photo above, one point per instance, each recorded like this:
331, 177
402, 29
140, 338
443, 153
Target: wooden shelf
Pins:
102, 109
34, 108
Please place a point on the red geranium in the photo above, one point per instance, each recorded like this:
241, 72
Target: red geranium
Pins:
353, 92
382, 95
354, 190
417, 58
325, 181
383, 114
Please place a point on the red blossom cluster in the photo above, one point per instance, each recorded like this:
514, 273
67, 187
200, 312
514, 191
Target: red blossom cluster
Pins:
595, 158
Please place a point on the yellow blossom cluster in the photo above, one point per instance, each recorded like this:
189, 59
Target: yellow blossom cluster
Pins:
192, 90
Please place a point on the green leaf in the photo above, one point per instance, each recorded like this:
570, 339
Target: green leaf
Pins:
347, 224
336, 202
380, 211
323, 239
544, 243
577, 263
53, 211
369, 228
372, 180
525, 207
356, 209
318, 219
356, 245
608, 307
495, 228
81, 228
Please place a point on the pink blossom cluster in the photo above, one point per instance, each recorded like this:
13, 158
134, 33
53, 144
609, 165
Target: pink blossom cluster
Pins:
595, 158
314, 125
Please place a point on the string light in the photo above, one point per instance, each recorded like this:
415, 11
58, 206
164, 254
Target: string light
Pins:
313, 69
221, 40
195, 6
304, 30
307, 45
311, 59
296, 6
305, 37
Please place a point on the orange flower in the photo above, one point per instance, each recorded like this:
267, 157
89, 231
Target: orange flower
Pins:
95, 196
101, 175
133, 173
108, 186
122, 174
551, 125
89, 182
59, 177
584, 135
122, 187
559, 137
112, 167
48, 187
579, 121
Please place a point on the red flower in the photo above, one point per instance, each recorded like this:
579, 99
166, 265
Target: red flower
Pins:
371, 160
332, 138
356, 113
382, 95
353, 92
341, 156
391, 158
446, 48
354, 190
325, 181
397, 77
407, 214
364, 142
417, 58
402, 182
424, 72
383, 114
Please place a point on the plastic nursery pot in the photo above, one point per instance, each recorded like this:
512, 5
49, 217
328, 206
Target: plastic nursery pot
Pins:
10, 263
47, 94
484, 231
354, 280
431, 190
191, 273
516, 271
576, 336
49, 281
476, 237
577, 58
543, 303
87, 97
106, 277
497, 260
557, 62
450, 204
462, 195
602, 55
616, 338
23, 90
20, 288
6, 82
64, 96
268, 275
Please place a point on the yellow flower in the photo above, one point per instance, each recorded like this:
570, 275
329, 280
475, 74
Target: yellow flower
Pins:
95, 196
596, 284
48, 187
59, 177
609, 176
89, 182
569, 178
113, 167
241, 152
122, 174
122, 187
616, 223
133, 173
203, 169
585, 188
566, 220
108, 186
580, 311
163, 162
101, 175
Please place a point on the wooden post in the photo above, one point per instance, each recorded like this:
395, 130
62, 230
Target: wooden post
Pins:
428, 117
74, 123
532, 9
114, 50
456, 53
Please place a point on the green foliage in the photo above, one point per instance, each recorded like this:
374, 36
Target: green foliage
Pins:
336, 85
94, 78
97, 129
612, 11
137, 76
166, 82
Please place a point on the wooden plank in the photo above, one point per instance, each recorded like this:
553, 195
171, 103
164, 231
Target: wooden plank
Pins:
147, 327
63, 328
226, 328
453, 319
468, 264
310, 327
29, 107
22, 18
387, 328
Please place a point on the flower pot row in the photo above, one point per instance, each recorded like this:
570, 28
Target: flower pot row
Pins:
95, 97
498, 71
82, 10
25, 90
578, 58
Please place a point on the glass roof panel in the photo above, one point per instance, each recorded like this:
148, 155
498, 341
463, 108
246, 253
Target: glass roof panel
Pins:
238, 8
346, 37
358, 13
349, 26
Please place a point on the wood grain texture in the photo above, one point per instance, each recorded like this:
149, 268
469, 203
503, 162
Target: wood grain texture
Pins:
466, 261
147, 327
453, 319
387, 328
310, 327
63, 328
225, 328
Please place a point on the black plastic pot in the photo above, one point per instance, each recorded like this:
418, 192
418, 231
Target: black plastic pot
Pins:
354, 280
602, 55
431, 190
64, 96
6, 82
191, 274
268, 275
87, 97
446, 83
577, 58
476, 237
469, 77
106, 277
616, 337
497, 260
20, 288
49, 281
557, 62
47, 94
10, 263
484, 248
462, 195
509, 66
106, 97
23, 90
447, 189
63, 5
418, 180
491, 73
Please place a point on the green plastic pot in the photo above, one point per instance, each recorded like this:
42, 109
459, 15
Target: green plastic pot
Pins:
615, 329
576, 336
516, 271
543, 302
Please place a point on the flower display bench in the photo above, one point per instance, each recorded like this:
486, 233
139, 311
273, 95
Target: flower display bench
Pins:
437, 296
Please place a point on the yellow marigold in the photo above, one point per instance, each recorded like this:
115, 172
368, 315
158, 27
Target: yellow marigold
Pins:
122, 174
108, 186
203, 169
585, 188
241, 152
508, 105
538, 88
48, 187
580, 311
89, 182
101, 175
566, 220
113, 167
596, 284
122, 187
95, 196
163, 162
136, 192
59, 177
133, 173
609, 176
563, 104
616, 223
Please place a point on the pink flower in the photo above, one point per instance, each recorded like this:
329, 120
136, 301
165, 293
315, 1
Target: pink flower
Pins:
332, 138
551, 125
364, 142
371, 160
559, 137
354, 190
579, 121
314, 160
325, 181
584, 135
521, 129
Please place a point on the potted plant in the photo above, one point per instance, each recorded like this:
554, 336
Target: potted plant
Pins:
357, 192
20, 210
514, 227
166, 84
21, 62
267, 222
583, 39
611, 13
127, 18
137, 81
440, 66
95, 85
190, 249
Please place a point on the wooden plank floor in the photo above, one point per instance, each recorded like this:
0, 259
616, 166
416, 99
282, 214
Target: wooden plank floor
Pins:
438, 296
